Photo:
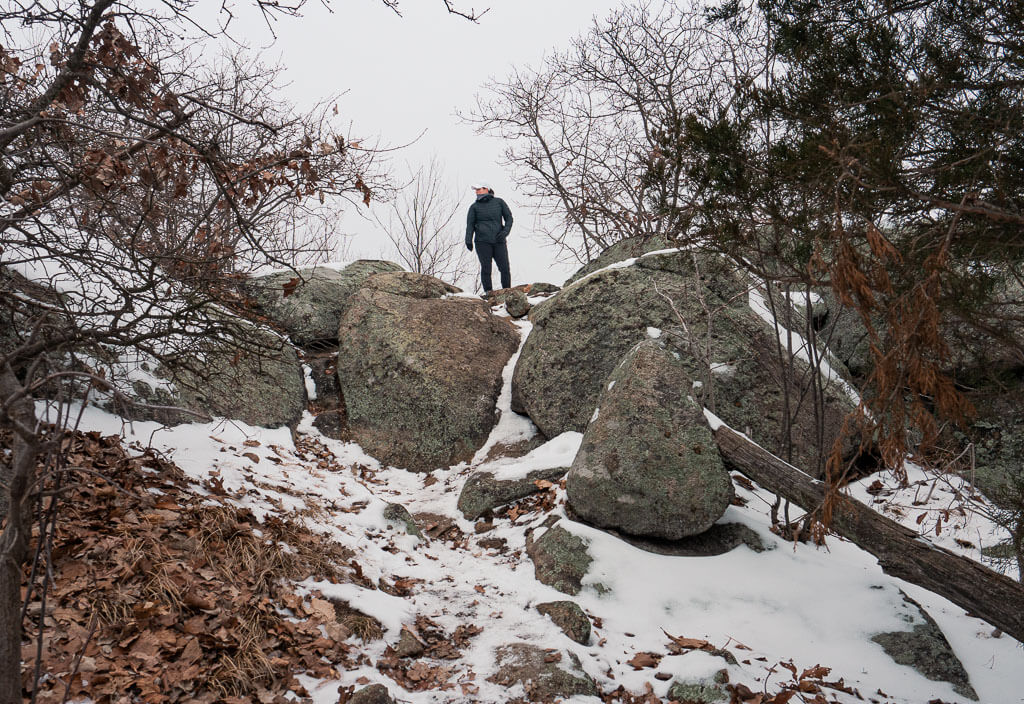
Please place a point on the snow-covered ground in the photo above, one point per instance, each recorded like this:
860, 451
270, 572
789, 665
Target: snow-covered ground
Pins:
793, 602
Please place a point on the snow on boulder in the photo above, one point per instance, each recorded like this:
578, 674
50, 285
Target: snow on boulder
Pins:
620, 251
308, 304
648, 464
420, 377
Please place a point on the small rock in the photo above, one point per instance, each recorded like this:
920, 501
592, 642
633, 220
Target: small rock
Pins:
516, 304
409, 646
568, 616
541, 289
482, 492
493, 544
399, 514
698, 692
538, 671
560, 559
374, 694
926, 649
483, 526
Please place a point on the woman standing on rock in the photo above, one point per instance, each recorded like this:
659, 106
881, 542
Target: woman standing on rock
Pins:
490, 220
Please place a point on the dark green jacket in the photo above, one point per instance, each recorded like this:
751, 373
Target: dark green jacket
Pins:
490, 219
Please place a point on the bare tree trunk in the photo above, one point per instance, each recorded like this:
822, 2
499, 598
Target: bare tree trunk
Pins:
17, 414
901, 552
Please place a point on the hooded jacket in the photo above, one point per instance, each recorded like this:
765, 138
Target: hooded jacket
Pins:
490, 219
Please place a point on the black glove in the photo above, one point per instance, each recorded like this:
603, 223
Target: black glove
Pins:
470, 246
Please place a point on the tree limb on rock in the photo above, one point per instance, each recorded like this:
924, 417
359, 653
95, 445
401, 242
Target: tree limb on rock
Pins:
901, 552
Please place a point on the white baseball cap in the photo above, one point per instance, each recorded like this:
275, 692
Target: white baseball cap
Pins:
482, 184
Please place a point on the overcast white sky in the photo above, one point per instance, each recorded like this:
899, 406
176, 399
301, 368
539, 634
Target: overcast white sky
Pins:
403, 75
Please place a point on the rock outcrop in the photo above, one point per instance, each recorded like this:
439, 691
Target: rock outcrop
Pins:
648, 463
420, 377
699, 306
308, 307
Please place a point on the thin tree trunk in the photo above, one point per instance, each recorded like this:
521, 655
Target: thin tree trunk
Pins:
901, 552
19, 416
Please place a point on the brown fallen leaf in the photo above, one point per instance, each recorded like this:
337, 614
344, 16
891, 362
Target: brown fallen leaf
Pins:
645, 659
321, 608
689, 643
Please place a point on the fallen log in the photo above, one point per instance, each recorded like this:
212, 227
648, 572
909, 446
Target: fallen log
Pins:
901, 552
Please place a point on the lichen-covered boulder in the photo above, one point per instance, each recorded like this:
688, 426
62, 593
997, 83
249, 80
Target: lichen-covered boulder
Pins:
579, 335
236, 370
648, 464
308, 306
542, 673
260, 382
698, 304
420, 377
409, 284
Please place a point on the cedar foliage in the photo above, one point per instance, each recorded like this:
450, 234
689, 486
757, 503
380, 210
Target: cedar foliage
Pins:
881, 154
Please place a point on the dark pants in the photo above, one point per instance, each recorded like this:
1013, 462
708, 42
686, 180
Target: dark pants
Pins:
485, 252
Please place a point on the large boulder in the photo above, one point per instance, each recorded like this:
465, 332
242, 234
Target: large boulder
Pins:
237, 370
409, 284
648, 464
622, 250
308, 304
420, 377
581, 334
260, 385
251, 375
